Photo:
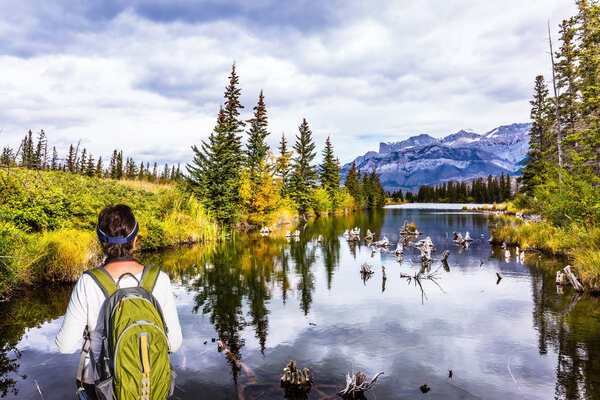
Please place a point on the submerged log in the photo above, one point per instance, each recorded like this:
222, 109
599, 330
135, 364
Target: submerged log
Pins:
366, 269
573, 279
399, 249
295, 380
356, 385
445, 256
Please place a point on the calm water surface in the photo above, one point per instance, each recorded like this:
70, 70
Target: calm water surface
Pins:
272, 300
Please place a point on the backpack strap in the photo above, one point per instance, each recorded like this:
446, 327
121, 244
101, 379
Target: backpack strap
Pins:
149, 277
103, 279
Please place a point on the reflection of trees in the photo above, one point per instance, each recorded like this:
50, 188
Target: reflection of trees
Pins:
572, 330
232, 271
27, 310
303, 254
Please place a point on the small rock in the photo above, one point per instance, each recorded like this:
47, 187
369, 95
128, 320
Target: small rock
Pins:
425, 388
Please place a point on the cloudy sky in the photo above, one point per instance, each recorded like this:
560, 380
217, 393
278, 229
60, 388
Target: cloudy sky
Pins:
148, 76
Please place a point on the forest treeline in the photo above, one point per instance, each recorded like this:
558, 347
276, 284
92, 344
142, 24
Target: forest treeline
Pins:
490, 190
560, 179
255, 185
34, 153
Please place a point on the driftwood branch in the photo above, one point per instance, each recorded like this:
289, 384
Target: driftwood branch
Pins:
573, 279
357, 384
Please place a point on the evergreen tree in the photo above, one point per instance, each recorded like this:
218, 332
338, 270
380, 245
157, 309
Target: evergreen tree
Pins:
283, 166
112, 166
589, 83
353, 185
90, 169
329, 170
302, 181
27, 152
165, 174
211, 174
71, 160
539, 138
154, 172
40, 156
99, 167
82, 162
257, 148
119, 166
566, 78
54, 162
8, 156
141, 171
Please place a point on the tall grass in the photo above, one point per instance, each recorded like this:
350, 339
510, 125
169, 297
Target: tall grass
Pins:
47, 222
581, 246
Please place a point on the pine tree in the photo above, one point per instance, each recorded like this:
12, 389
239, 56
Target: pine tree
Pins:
40, 156
90, 169
352, 183
54, 162
329, 170
8, 156
283, 166
566, 78
539, 138
211, 174
589, 83
71, 160
80, 168
99, 167
165, 174
302, 181
257, 148
141, 171
119, 166
112, 166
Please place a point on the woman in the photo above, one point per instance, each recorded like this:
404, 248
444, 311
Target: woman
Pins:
117, 230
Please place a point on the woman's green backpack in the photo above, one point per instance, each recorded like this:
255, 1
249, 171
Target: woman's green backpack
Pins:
134, 359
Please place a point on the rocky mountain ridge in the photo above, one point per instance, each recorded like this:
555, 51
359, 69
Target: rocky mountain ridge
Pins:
464, 155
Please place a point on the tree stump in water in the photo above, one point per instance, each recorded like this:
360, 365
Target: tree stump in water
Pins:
356, 385
445, 256
573, 279
295, 381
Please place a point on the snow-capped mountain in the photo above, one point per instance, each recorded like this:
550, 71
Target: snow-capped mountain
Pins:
464, 155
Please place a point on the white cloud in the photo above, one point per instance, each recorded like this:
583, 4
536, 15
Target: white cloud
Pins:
361, 75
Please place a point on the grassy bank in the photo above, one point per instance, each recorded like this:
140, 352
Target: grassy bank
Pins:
580, 246
47, 222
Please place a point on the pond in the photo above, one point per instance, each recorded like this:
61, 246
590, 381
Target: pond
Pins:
272, 300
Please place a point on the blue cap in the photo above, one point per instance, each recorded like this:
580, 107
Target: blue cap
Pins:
119, 239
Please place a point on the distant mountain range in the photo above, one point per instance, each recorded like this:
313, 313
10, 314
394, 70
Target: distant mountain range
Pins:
464, 155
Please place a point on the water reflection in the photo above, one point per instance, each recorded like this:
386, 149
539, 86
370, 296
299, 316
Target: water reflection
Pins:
270, 300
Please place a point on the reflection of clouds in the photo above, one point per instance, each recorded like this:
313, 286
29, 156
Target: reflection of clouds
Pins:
42, 338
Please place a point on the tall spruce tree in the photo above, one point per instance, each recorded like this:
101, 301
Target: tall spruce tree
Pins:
215, 172
329, 170
589, 83
353, 185
539, 138
256, 147
283, 165
566, 78
211, 175
302, 181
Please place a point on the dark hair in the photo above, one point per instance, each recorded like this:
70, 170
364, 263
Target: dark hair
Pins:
117, 221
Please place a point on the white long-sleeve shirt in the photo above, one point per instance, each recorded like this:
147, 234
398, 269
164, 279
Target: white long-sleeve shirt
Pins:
86, 307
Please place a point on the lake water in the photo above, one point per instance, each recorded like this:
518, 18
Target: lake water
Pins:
272, 300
